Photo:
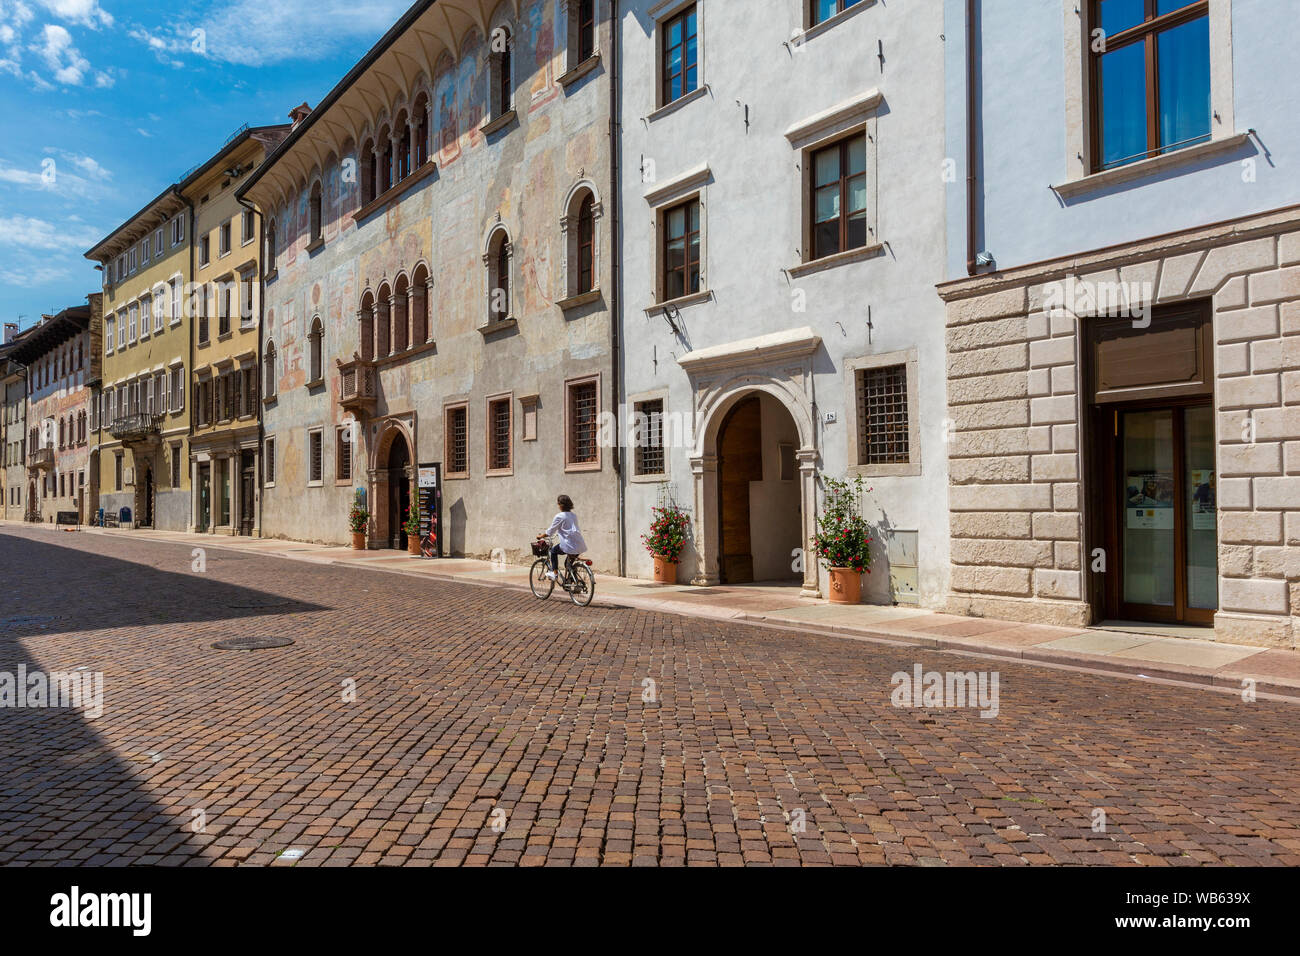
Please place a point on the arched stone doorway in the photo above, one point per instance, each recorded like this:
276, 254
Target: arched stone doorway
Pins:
759, 511
776, 371
392, 475
32, 504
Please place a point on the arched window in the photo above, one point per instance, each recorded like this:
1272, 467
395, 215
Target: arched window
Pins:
270, 246
367, 317
401, 315
403, 148
386, 161
316, 347
587, 244
61, 433
383, 323
421, 130
368, 172
315, 209
268, 365
498, 261
502, 70
420, 307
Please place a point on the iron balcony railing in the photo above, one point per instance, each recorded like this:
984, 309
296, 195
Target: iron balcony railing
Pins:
135, 427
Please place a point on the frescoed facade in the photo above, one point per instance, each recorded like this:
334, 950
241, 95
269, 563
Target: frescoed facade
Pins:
13, 423
57, 355
223, 461
438, 284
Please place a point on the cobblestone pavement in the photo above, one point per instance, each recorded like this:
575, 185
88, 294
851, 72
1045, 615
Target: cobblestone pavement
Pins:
472, 700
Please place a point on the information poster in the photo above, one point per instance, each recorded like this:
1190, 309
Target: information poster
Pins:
1150, 501
429, 482
1203, 500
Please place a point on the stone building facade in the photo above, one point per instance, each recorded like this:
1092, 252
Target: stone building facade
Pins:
1121, 328
782, 214
13, 424
439, 286
225, 437
57, 355
139, 450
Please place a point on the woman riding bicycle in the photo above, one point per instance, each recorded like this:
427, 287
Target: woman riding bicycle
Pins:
565, 526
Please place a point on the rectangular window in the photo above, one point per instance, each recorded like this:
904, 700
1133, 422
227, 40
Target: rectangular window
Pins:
343, 453
649, 458
178, 231
176, 300
839, 197
680, 69
159, 307
158, 244
135, 313
1150, 78
223, 308
499, 450
268, 460
117, 472
314, 470
146, 248
178, 389
246, 299
582, 411
224, 239
456, 423
882, 415
586, 11
246, 227
176, 466
825, 9
204, 254
202, 295
110, 325
681, 250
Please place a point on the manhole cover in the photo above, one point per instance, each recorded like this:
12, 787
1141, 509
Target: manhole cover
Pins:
251, 643
26, 623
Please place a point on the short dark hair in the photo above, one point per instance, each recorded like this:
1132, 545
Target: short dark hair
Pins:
565, 503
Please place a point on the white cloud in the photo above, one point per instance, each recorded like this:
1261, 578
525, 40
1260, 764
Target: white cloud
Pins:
36, 276
63, 59
86, 13
60, 173
87, 164
255, 32
41, 234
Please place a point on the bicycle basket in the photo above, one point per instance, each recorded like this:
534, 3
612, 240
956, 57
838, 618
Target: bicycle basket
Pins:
540, 549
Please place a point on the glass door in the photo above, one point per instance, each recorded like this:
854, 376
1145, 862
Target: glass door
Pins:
1166, 519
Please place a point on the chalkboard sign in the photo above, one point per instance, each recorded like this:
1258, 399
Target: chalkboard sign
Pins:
430, 502
67, 517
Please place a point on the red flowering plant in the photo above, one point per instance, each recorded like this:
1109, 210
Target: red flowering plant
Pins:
843, 539
358, 516
668, 533
412, 523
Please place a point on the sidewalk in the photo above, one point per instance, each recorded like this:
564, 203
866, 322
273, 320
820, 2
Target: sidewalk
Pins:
1119, 652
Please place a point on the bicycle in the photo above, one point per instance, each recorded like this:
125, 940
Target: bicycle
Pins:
576, 578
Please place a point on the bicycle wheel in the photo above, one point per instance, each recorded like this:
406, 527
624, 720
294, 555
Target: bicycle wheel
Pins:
541, 585
583, 586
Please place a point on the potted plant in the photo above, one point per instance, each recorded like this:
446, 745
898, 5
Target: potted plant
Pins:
358, 519
668, 530
412, 528
843, 541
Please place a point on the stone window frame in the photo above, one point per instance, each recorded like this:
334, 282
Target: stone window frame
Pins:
692, 184
1080, 177
344, 435
574, 66
656, 478
857, 114
529, 408
447, 410
490, 251
268, 461
316, 434
909, 358
508, 399
660, 14
570, 384
811, 29
569, 264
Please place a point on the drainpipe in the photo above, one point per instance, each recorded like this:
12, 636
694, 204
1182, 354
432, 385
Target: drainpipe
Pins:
257, 364
970, 137
615, 300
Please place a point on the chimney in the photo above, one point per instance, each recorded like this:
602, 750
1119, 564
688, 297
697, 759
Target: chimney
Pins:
11, 332
299, 113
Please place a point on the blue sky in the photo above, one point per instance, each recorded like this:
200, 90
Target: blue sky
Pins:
106, 103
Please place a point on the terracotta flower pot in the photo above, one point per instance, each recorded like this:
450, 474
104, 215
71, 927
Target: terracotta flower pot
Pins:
846, 586
358, 540
413, 545
665, 571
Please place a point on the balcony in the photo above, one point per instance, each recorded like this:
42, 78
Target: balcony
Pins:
42, 459
135, 428
357, 386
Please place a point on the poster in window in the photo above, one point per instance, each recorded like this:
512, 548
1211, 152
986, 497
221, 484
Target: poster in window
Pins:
1149, 501
1203, 500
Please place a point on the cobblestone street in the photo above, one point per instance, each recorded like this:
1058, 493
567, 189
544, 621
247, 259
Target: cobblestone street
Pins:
471, 700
